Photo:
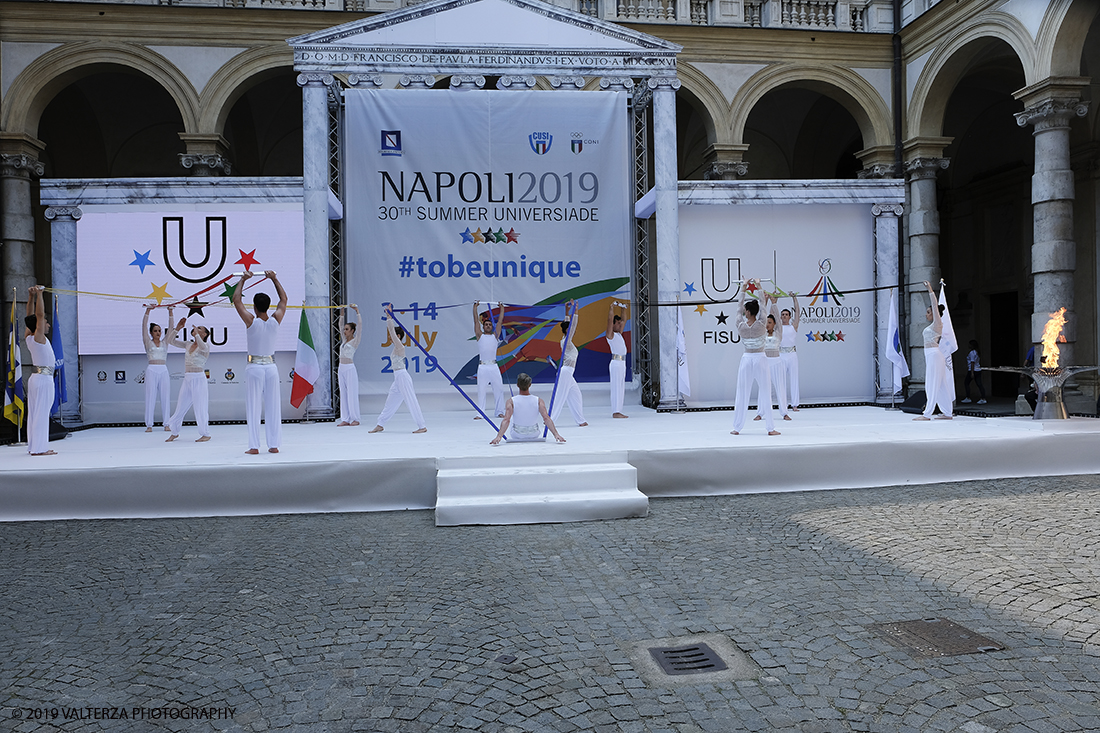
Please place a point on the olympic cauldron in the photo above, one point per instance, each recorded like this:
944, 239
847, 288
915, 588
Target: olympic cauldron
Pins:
1049, 378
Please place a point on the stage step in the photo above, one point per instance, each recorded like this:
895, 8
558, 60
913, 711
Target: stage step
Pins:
536, 489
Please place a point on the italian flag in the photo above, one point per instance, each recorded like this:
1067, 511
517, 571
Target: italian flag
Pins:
306, 369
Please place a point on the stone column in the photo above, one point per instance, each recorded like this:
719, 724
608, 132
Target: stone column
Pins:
18, 163
924, 254
665, 179
318, 265
63, 221
417, 81
725, 162
517, 83
467, 82
887, 217
1050, 106
206, 154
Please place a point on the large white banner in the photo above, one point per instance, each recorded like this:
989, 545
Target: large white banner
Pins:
452, 197
816, 251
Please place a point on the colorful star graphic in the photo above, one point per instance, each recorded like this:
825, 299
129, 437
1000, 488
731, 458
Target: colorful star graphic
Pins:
228, 292
700, 309
819, 336
467, 236
752, 288
512, 236
160, 292
248, 260
810, 336
478, 236
499, 235
689, 288
839, 335
721, 317
142, 261
195, 306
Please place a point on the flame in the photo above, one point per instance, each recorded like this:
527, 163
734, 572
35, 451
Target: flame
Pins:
1052, 334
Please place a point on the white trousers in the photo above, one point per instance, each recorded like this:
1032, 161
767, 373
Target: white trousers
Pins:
753, 368
39, 403
157, 383
568, 391
779, 386
402, 391
790, 368
194, 391
935, 382
347, 376
262, 383
489, 375
617, 370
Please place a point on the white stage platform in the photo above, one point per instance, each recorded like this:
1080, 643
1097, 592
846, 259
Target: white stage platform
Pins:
127, 473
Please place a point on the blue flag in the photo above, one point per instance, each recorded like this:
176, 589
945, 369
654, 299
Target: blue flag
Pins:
59, 394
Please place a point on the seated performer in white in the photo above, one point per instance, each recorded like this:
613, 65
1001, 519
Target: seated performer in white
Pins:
402, 388
261, 376
194, 390
935, 364
488, 372
617, 367
40, 389
347, 375
526, 413
568, 389
772, 340
788, 353
753, 365
157, 383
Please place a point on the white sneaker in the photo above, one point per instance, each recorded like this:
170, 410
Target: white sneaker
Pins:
981, 402
967, 400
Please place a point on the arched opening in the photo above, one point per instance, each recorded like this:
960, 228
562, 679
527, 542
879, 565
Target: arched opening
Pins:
93, 128
692, 137
264, 128
798, 133
985, 212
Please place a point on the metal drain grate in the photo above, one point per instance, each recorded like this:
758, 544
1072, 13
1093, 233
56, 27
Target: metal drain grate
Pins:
694, 659
936, 637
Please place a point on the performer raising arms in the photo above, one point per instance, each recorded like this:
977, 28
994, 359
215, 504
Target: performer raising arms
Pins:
194, 389
156, 373
261, 376
772, 340
787, 354
402, 388
935, 364
568, 389
347, 374
617, 367
753, 365
488, 373
527, 411
40, 389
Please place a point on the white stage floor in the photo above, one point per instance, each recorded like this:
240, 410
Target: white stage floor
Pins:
126, 472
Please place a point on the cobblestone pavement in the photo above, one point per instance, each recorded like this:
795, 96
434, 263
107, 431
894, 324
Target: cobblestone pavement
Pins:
383, 622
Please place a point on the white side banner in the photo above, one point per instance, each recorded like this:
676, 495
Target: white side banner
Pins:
452, 197
816, 251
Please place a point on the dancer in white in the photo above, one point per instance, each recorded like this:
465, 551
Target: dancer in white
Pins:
488, 373
157, 382
526, 413
772, 339
194, 390
753, 365
936, 386
261, 376
402, 388
787, 353
40, 389
617, 367
346, 373
568, 389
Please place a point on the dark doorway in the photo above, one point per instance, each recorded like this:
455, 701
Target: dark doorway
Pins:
1004, 343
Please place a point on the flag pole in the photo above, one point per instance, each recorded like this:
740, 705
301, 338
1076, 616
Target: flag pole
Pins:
679, 396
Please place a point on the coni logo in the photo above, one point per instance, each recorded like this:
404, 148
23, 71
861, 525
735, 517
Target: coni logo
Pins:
540, 142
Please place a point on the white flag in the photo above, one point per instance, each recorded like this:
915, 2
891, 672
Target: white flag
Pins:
893, 345
948, 343
681, 354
